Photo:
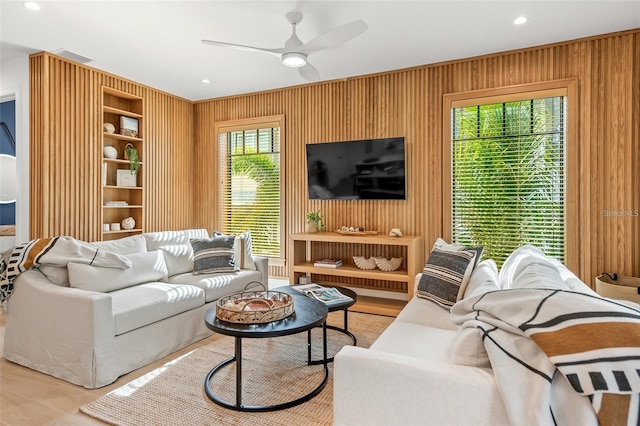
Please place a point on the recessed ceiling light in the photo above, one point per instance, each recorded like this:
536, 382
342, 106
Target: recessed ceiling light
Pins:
520, 20
206, 81
31, 5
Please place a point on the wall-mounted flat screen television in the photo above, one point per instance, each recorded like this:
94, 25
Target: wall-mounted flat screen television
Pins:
370, 169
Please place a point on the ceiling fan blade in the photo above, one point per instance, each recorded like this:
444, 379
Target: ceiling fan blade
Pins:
335, 37
276, 52
309, 73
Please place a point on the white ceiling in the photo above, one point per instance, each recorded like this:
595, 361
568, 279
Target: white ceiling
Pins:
157, 43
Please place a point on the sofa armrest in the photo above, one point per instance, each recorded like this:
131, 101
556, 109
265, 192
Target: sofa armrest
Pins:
373, 387
262, 266
52, 328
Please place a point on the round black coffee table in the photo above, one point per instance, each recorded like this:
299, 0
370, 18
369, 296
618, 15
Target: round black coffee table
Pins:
309, 313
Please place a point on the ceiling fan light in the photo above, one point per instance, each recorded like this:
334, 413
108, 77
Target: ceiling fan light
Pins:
294, 60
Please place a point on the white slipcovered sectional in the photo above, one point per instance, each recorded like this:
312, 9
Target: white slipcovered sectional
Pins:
89, 325
424, 369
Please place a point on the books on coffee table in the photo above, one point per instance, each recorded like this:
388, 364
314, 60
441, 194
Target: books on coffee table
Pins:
327, 263
327, 295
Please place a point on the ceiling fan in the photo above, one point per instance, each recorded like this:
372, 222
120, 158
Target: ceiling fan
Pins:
295, 52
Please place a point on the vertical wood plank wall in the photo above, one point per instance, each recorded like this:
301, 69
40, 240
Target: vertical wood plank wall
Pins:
66, 151
409, 103
181, 152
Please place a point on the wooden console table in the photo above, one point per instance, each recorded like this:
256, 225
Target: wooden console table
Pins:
304, 256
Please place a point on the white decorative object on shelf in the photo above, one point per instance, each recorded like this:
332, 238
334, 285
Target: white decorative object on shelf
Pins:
109, 128
363, 263
115, 226
395, 232
128, 223
110, 152
388, 265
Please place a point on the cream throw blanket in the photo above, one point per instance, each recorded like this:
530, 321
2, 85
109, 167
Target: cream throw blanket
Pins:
57, 251
559, 357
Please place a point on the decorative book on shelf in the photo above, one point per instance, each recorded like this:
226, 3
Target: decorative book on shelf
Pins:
328, 263
328, 295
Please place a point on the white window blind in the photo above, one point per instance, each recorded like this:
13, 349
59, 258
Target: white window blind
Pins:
508, 176
250, 186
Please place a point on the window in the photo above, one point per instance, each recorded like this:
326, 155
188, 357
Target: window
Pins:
508, 180
250, 182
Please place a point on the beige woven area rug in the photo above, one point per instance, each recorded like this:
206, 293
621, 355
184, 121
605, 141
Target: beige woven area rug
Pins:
274, 370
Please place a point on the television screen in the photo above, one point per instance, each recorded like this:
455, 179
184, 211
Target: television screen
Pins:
371, 169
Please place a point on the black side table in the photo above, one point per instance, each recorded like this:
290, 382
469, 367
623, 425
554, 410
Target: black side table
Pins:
344, 306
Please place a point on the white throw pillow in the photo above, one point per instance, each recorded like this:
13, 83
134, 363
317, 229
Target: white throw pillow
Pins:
513, 262
127, 245
529, 267
179, 258
242, 249
155, 240
145, 267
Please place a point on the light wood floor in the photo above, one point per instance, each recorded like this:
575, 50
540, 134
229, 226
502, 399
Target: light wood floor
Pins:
31, 398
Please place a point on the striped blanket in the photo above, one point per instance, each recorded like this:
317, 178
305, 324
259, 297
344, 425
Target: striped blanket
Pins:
559, 357
57, 251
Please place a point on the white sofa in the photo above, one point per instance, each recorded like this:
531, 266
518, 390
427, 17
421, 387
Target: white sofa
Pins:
88, 335
422, 371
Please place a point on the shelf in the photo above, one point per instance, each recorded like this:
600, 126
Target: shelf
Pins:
121, 137
378, 306
121, 112
123, 231
118, 161
120, 187
123, 207
354, 272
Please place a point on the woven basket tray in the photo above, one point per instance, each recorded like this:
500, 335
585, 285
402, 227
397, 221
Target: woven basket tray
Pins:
254, 307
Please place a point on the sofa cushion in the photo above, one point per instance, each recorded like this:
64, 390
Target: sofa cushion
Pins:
218, 285
140, 305
213, 255
445, 276
416, 341
155, 240
426, 312
145, 267
128, 245
179, 258
443, 245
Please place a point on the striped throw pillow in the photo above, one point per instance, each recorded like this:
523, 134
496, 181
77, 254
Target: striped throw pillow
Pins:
213, 255
445, 276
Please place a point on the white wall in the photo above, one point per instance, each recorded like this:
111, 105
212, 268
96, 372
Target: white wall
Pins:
14, 82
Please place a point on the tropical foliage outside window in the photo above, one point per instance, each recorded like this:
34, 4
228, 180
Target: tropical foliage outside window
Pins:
508, 176
250, 169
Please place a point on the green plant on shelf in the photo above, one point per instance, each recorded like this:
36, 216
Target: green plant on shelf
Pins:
131, 154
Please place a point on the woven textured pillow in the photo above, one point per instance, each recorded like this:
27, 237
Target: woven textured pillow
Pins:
443, 245
445, 276
213, 255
